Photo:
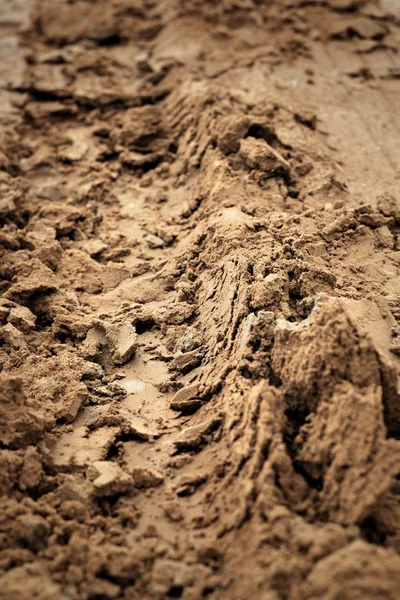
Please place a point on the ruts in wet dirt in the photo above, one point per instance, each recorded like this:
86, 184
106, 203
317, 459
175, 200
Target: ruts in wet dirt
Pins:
199, 300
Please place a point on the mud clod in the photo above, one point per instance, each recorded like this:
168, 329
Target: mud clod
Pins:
144, 477
108, 478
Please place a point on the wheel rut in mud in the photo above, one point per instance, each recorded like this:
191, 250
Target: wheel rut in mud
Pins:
199, 278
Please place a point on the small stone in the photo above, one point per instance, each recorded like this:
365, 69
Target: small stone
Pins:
146, 181
361, 26
33, 278
101, 588
92, 371
161, 197
8, 241
76, 149
316, 249
268, 292
20, 423
32, 580
278, 512
137, 159
187, 343
368, 28
42, 233
306, 116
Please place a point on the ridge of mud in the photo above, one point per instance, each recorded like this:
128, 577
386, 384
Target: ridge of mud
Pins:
199, 324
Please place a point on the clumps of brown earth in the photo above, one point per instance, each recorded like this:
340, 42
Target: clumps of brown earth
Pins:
163, 209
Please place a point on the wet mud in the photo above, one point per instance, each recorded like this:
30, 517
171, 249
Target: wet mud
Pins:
199, 300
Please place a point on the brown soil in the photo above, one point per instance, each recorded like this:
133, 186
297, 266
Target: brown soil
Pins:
199, 299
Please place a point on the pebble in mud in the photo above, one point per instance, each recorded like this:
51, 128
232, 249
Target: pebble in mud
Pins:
187, 343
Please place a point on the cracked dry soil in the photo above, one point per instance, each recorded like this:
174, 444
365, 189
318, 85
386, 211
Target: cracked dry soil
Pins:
199, 299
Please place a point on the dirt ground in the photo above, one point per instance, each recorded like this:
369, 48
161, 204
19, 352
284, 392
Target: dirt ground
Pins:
199, 299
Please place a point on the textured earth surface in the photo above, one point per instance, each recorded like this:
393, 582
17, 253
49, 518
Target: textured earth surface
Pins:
199, 299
